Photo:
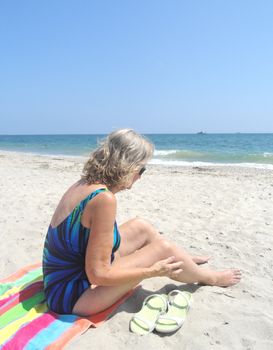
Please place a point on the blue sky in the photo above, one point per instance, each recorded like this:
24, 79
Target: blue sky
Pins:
156, 66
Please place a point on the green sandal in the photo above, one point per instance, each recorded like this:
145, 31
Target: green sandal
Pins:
178, 306
144, 321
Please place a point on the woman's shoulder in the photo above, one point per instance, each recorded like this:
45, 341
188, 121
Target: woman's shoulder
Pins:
103, 205
105, 198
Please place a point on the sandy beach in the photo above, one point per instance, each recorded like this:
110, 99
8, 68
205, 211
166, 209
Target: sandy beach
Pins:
225, 212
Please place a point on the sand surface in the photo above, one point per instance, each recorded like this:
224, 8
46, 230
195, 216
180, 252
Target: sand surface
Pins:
226, 212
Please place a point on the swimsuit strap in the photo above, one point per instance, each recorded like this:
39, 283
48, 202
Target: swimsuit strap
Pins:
78, 210
93, 194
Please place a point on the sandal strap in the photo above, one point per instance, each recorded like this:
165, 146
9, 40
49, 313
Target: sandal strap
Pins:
164, 299
178, 320
150, 325
175, 292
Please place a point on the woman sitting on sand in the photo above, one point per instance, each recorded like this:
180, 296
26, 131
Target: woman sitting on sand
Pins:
84, 246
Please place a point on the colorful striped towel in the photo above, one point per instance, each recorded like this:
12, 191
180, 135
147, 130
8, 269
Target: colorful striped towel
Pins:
25, 321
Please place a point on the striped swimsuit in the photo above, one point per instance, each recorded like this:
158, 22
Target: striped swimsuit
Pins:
65, 278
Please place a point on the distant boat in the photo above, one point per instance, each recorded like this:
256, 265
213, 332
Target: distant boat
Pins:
201, 133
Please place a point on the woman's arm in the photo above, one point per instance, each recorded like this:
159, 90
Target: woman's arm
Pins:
97, 262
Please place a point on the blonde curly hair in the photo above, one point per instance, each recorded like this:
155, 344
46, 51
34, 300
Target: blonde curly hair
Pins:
118, 156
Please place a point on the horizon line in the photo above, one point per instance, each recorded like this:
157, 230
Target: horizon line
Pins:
144, 133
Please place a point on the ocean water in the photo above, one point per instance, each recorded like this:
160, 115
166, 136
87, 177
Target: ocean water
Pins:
255, 150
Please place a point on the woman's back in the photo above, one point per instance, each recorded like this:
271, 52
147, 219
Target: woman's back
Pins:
71, 198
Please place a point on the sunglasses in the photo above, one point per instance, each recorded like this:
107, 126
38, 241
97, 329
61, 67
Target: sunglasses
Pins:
141, 171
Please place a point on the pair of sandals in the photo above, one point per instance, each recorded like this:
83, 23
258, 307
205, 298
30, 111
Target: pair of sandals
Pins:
162, 313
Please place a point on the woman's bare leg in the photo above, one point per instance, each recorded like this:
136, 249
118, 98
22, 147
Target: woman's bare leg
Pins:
137, 232
162, 249
100, 298
142, 249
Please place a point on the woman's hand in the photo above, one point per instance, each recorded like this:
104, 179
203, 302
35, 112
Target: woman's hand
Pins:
167, 267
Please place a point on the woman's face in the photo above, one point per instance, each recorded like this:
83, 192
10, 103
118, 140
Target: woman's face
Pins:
136, 176
134, 179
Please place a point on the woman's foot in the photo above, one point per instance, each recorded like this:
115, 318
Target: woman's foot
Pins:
225, 278
200, 259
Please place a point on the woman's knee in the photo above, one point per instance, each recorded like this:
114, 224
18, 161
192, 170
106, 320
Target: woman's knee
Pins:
147, 229
140, 222
165, 247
